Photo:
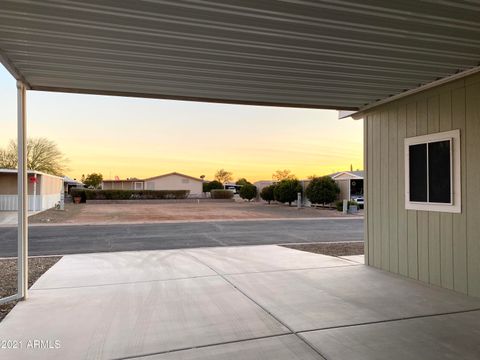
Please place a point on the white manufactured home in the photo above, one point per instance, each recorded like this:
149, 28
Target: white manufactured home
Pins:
44, 190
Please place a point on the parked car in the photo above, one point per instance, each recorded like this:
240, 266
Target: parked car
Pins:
359, 200
233, 188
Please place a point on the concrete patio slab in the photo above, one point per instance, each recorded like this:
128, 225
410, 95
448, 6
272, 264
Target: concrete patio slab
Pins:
452, 336
339, 296
285, 347
121, 267
170, 305
114, 321
247, 259
9, 218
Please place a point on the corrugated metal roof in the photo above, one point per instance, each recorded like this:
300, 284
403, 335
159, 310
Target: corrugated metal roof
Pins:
331, 54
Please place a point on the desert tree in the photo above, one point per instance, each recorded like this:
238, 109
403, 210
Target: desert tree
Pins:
286, 191
212, 185
93, 180
242, 182
248, 192
42, 155
223, 176
322, 190
284, 174
267, 193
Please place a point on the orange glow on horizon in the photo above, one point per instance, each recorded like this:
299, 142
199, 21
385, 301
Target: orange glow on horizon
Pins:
129, 137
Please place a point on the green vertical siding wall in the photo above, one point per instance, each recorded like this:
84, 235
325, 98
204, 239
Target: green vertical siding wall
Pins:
442, 249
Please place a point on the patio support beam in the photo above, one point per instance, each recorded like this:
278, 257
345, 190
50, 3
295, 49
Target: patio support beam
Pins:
12, 69
22, 193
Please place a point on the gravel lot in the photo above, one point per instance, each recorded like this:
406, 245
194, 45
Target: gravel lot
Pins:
151, 213
332, 248
8, 278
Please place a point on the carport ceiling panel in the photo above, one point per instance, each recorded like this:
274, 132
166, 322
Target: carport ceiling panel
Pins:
335, 54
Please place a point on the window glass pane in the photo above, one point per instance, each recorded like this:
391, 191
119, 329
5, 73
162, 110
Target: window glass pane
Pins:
418, 172
439, 172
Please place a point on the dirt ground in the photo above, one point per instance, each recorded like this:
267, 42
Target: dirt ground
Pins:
8, 279
332, 249
150, 213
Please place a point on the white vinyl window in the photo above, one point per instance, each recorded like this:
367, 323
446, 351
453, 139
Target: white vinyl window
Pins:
432, 172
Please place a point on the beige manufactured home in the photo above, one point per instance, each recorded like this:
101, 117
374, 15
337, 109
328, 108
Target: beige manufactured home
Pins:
44, 190
350, 184
170, 181
129, 184
175, 181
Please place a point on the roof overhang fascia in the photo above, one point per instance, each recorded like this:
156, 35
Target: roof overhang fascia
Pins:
359, 114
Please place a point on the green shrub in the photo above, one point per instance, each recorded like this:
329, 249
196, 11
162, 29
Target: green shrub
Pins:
74, 192
339, 204
212, 185
248, 192
322, 190
242, 182
221, 194
267, 193
135, 194
286, 191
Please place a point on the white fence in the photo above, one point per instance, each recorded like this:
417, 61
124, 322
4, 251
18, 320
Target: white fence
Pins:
35, 203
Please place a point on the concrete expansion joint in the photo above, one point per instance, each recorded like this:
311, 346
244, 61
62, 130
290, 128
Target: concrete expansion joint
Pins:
125, 283
202, 346
391, 320
299, 269
293, 332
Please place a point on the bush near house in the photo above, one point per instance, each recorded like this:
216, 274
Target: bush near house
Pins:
248, 191
286, 191
339, 204
221, 194
267, 193
322, 190
81, 192
129, 194
212, 185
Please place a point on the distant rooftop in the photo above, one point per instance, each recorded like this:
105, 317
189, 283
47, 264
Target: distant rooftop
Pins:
359, 173
14, 171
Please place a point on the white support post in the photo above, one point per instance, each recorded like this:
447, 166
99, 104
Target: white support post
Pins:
34, 192
22, 193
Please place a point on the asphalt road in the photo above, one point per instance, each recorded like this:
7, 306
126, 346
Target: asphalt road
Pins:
74, 239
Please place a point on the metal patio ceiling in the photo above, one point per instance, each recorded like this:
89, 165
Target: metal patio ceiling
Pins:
325, 54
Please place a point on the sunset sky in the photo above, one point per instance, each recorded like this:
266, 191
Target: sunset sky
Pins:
129, 137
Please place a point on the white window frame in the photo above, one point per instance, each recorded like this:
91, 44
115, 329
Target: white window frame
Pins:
138, 183
455, 182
